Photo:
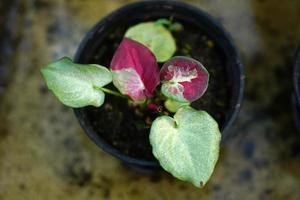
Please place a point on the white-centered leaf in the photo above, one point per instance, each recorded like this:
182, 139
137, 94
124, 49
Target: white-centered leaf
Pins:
77, 85
183, 79
187, 145
156, 37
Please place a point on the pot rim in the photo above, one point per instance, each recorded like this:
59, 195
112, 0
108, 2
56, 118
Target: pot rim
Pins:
296, 77
237, 96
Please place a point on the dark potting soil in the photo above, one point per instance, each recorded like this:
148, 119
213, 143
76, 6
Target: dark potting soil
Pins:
126, 126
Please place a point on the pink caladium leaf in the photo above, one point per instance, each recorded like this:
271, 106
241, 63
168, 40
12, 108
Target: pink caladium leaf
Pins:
184, 79
134, 70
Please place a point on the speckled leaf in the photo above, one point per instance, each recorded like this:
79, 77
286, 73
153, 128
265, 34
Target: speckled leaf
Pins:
187, 145
184, 79
75, 85
156, 37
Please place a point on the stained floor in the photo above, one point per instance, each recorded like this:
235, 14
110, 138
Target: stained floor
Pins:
44, 154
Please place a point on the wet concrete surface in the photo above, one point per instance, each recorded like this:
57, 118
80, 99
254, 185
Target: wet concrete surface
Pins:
44, 154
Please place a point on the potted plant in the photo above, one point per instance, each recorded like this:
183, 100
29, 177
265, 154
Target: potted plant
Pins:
156, 52
296, 93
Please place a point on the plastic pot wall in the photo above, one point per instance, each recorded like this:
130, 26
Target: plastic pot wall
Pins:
296, 92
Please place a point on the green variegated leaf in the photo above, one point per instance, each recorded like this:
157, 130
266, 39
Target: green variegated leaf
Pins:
187, 145
156, 37
77, 85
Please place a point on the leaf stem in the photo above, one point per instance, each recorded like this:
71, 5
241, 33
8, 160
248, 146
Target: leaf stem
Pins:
108, 91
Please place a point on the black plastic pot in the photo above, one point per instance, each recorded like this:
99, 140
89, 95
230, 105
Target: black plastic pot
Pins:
296, 92
118, 21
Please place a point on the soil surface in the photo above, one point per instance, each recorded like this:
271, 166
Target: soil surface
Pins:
126, 126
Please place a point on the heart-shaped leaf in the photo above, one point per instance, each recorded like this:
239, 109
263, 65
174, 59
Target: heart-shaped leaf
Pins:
184, 79
77, 85
154, 36
188, 145
135, 70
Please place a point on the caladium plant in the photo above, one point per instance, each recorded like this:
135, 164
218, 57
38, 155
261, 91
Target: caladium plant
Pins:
186, 145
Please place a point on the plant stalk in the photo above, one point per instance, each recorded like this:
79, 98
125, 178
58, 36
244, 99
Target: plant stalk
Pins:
108, 91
